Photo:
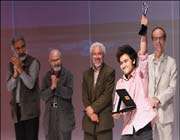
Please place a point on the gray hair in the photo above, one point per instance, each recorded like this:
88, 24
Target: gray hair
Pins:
17, 38
97, 44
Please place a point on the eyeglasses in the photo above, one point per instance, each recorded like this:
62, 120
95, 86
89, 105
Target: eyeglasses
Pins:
158, 38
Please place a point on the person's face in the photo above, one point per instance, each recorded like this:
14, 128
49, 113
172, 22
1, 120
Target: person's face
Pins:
126, 64
20, 48
158, 40
97, 56
55, 61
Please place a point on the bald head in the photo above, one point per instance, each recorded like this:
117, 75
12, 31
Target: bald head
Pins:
55, 59
55, 52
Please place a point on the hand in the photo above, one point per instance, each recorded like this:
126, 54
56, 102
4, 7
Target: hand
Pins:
117, 115
155, 102
17, 63
94, 118
15, 74
89, 111
54, 81
144, 20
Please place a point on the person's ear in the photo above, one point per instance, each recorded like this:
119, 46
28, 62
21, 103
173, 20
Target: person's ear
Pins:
134, 62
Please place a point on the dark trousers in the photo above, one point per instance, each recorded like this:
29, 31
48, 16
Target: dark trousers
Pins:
142, 134
55, 132
27, 129
59, 136
104, 135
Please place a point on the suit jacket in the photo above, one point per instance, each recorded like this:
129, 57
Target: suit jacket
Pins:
165, 87
99, 98
63, 92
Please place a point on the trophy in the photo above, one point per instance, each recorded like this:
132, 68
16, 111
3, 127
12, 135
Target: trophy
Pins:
143, 30
123, 102
144, 8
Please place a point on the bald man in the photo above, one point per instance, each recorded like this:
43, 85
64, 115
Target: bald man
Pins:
56, 92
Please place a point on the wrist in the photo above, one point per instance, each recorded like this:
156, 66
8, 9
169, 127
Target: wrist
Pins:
143, 30
14, 76
52, 87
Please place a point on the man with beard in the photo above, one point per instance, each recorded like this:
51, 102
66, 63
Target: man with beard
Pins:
23, 83
57, 90
97, 89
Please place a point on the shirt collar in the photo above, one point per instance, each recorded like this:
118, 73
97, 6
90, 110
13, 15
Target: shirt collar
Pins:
97, 69
160, 59
131, 75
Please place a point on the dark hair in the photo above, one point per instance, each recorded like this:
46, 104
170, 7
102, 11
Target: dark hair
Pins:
162, 29
127, 49
18, 38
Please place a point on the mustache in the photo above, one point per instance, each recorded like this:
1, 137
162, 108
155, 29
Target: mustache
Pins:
56, 67
22, 54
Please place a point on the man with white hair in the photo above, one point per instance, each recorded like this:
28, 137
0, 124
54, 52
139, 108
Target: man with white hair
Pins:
57, 90
97, 89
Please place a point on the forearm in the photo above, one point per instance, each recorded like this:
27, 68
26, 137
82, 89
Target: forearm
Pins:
46, 94
11, 84
166, 96
64, 92
30, 79
27, 80
143, 45
143, 35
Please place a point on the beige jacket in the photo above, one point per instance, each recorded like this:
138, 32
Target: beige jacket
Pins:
164, 87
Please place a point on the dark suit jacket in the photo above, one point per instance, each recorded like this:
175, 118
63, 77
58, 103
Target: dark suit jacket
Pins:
99, 97
64, 93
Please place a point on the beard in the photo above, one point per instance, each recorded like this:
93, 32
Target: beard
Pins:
22, 55
56, 68
97, 65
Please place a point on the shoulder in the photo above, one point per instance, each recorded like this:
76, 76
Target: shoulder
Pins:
33, 60
66, 71
171, 60
87, 72
119, 83
47, 74
108, 69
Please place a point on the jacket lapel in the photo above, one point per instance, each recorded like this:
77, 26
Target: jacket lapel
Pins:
161, 69
99, 77
90, 83
98, 82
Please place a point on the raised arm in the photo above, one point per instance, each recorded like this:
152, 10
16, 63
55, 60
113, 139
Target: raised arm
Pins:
142, 33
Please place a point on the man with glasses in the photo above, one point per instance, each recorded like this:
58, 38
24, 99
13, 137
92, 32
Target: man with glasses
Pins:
162, 85
23, 84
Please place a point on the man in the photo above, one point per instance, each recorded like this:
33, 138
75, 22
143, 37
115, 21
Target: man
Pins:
137, 122
23, 83
162, 85
57, 91
97, 88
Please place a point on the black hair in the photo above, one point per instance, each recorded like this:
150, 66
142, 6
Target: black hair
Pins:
18, 38
127, 49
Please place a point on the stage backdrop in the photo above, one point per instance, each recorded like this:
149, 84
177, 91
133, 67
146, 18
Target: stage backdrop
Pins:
72, 27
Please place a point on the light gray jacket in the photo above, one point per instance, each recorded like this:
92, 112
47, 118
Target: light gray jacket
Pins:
165, 87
